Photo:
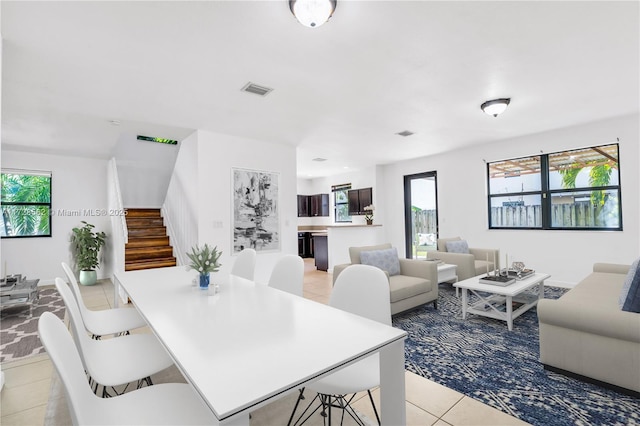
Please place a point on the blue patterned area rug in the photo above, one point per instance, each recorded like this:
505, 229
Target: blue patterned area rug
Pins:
480, 358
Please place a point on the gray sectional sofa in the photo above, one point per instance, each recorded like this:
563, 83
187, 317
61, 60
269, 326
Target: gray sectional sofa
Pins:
585, 332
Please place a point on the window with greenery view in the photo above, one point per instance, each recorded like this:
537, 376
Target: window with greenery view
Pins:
341, 202
25, 203
577, 189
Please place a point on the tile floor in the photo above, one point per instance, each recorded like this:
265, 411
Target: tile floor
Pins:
27, 382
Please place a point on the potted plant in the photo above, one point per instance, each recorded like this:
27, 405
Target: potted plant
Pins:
86, 245
369, 214
204, 260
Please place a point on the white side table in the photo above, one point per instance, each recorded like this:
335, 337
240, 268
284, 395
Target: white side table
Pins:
446, 273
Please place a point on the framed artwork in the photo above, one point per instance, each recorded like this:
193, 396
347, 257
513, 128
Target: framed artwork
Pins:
256, 213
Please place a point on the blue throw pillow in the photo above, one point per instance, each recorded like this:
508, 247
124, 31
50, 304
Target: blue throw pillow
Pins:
632, 301
387, 260
457, 246
627, 282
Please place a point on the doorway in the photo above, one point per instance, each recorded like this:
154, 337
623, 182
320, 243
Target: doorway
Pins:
420, 214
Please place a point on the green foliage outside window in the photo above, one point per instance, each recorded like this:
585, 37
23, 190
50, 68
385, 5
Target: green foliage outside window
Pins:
26, 205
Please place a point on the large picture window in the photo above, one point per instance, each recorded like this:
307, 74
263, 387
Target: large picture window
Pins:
577, 189
26, 204
341, 202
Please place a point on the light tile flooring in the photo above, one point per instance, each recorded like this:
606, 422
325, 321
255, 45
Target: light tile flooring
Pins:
27, 381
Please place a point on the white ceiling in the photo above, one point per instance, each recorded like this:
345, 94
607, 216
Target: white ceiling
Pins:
341, 91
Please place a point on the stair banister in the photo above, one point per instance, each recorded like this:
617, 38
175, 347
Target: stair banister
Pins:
119, 235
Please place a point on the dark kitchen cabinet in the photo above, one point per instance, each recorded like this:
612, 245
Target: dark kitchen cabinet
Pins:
359, 199
305, 248
319, 205
313, 205
303, 206
321, 252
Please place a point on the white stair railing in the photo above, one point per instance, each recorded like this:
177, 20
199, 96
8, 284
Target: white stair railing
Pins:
119, 235
180, 218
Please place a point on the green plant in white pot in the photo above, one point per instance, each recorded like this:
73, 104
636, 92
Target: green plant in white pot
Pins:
86, 245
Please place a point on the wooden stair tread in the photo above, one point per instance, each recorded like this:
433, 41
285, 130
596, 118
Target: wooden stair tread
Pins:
136, 242
149, 264
142, 212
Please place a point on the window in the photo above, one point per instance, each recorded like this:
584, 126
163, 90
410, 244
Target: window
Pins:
341, 202
26, 204
577, 189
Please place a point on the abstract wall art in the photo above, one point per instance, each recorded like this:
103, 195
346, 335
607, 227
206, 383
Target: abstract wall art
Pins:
256, 216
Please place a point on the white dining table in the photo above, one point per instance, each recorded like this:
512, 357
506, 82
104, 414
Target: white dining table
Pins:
249, 344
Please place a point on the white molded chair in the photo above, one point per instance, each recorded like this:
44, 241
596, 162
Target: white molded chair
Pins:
102, 323
288, 274
117, 361
362, 290
245, 264
167, 404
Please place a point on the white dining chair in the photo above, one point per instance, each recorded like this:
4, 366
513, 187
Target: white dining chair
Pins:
117, 361
288, 274
362, 290
164, 404
108, 321
245, 264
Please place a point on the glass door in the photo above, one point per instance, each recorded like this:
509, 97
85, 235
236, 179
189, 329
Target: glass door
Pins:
421, 214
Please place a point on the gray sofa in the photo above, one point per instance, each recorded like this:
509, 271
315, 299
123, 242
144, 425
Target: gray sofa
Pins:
416, 284
585, 332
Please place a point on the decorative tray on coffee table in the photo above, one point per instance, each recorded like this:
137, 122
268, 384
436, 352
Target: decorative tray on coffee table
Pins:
499, 280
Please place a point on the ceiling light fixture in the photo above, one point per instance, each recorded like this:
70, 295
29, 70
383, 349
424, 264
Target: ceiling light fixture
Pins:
312, 13
496, 106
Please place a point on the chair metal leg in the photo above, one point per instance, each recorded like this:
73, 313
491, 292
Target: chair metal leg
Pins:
373, 404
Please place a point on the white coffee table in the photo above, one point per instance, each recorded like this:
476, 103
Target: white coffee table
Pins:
498, 302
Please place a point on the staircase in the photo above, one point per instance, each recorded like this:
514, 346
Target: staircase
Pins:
148, 245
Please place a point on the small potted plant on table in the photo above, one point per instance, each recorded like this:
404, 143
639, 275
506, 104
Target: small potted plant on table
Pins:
204, 260
86, 245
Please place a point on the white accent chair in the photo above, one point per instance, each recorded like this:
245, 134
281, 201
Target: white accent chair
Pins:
288, 274
362, 290
166, 404
109, 321
117, 361
245, 264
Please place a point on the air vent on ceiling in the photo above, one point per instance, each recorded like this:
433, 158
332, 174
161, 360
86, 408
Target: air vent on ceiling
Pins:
319, 159
158, 140
256, 89
405, 133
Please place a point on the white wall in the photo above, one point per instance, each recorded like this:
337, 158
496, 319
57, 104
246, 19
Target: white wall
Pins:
217, 155
364, 178
462, 201
144, 170
79, 185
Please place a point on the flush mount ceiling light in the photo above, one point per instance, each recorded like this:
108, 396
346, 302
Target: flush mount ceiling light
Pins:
496, 106
312, 13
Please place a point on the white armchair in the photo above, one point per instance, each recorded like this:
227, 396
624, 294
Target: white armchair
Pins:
475, 262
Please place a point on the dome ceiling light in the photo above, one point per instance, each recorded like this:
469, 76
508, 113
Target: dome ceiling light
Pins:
496, 106
312, 13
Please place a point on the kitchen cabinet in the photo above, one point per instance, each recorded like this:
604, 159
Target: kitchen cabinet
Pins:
305, 244
303, 206
321, 252
359, 199
313, 205
319, 205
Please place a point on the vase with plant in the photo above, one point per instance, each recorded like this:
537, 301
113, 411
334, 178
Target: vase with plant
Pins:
369, 214
86, 244
204, 260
